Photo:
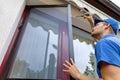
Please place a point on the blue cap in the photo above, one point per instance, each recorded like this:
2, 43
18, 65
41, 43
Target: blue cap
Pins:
113, 23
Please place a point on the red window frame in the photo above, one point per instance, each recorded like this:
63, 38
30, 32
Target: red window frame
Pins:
63, 50
6, 57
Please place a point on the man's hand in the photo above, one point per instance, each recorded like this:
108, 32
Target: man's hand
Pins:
71, 69
89, 17
74, 72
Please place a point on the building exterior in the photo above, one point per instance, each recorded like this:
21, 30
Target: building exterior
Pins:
37, 36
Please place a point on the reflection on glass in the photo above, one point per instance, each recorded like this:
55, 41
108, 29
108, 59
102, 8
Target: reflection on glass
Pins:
84, 52
37, 52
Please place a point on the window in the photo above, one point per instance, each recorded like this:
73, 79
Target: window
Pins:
40, 44
84, 52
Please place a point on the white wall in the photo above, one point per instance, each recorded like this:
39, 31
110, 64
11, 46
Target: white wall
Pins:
10, 13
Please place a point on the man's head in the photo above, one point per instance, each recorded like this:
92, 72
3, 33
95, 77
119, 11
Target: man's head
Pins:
102, 27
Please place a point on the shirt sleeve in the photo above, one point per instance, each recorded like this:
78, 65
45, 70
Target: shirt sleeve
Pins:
107, 51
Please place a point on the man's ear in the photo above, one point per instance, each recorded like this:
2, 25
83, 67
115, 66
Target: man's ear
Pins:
107, 26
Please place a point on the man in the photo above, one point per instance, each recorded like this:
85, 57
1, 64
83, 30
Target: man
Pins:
107, 51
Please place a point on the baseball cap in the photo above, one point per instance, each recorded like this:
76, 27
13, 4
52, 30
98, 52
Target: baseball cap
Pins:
113, 23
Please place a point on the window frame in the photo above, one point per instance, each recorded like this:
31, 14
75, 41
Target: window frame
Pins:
5, 63
10, 55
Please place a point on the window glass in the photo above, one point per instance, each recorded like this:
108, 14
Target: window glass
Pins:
38, 49
84, 52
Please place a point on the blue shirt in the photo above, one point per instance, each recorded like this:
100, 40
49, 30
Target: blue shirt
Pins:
108, 50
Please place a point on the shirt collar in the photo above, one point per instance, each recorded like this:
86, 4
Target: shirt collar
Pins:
108, 35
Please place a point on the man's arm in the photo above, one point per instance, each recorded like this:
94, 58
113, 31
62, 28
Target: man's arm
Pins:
90, 20
74, 72
84, 77
109, 71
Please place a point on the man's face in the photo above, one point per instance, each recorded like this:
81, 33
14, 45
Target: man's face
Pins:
98, 29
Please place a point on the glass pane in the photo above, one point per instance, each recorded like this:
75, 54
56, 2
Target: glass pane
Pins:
38, 50
84, 52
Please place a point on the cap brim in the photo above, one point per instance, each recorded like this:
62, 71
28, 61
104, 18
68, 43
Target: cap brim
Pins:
97, 21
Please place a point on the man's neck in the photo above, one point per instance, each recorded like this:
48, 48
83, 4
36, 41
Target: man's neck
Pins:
97, 38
